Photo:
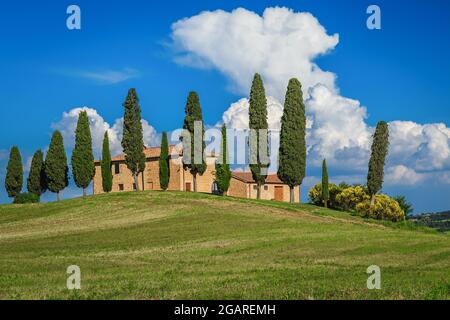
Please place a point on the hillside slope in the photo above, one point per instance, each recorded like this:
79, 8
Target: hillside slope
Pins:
155, 245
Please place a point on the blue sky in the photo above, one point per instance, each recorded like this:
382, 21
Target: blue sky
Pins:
401, 72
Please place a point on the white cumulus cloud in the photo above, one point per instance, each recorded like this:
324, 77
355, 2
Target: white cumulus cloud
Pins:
339, 130
237, 115
98, 126
280, 44
402, 175
423, 147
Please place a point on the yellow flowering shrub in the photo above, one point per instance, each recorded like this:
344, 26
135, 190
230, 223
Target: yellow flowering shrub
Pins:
315, 195
385, 208
350, 197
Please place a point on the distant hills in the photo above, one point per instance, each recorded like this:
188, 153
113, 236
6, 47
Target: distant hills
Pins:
439, 221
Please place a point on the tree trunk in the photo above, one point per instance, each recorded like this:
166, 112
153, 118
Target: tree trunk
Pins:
136, 180
57, 196
258, 192
325, 203
195, 182
84, 192
372, 201
291, 195
300, 194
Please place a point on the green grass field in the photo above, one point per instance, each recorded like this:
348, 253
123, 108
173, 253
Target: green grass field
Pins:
155, 245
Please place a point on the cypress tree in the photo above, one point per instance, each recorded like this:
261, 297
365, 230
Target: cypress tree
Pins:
106, 165
164, 165
56, 168
133, 140
223, 172
380, 147
325, 191
83, 167
14, 173
36, 182
194, 114
258, 123
292, 152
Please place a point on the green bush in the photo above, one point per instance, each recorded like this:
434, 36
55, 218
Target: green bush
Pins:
315, 195
404, 204
23, 198
349, 198
385, 208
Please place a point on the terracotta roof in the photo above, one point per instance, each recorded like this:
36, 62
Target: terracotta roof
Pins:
247, 177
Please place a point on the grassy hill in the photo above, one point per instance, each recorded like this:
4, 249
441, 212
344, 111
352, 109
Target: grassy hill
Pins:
155, 245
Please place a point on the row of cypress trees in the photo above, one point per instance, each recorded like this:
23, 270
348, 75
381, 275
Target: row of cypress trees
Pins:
292, 154
52, 173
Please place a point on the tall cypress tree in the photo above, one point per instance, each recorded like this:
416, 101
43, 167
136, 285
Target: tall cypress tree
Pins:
14, 173
196, 163
223, 172
56, 168
133, 140
258, 123
37, 181
325, 191
164, 165
106, 165
380, 147
83, 167
292, 152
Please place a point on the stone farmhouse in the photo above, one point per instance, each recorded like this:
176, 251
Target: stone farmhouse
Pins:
242, 184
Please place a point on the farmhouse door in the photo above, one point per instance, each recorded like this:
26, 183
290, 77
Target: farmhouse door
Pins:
279, 194
188, 187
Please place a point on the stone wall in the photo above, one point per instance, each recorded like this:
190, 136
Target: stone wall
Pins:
268, 192
238, 189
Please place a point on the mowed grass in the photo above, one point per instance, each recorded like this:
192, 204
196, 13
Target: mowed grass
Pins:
156, 245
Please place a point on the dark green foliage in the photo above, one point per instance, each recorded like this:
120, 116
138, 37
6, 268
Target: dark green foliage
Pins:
325, 191
14, 173
133, 140
194, 114
223, 172
24, 198
344, 185
380, 147
292, 153
37, 182
404, 205
56, 169
257, 122
164, 165
83, 167
439, 221
106, 165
